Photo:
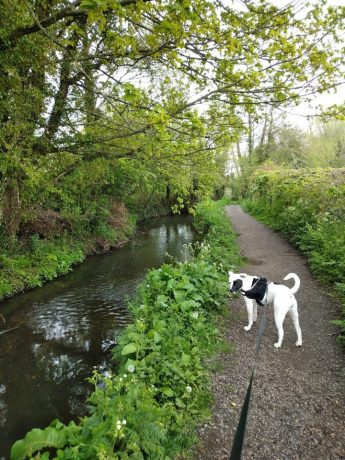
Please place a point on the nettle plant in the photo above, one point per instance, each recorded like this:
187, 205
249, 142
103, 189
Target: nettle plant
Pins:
167, 342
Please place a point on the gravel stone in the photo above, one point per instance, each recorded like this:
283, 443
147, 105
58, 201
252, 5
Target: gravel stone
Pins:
297, 409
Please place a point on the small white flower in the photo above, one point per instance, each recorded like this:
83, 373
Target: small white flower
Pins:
142, 306
120, 379
124, 422
124, 375
106, 374
195, 315
131, 368
188, 389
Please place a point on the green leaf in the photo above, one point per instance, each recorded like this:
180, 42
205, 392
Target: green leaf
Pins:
130, 348
188, 287
179, 403
156, 337
130, 362
89, 4
35, 440
168, 392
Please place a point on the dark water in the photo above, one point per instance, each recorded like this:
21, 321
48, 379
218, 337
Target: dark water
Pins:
69, 326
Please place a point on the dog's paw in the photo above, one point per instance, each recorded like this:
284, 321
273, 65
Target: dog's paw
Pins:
277, 345
298, 343
247, 328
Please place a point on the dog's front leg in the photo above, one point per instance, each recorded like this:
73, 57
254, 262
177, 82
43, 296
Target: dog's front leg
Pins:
255, 311
250, 311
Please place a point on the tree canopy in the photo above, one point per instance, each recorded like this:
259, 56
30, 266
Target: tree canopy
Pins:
117, 97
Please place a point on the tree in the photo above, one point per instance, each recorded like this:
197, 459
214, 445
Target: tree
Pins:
159, 83
324, 146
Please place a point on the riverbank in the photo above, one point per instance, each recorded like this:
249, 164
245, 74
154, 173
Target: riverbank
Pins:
161, 390
37, 258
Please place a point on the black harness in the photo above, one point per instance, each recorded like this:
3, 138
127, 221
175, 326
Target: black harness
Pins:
257, 291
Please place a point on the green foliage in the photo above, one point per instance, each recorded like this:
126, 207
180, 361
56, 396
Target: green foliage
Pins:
54, 436
40, 262
150, 407
308, 207
324, 146
73, 136
210, 219
48, 253
281, 144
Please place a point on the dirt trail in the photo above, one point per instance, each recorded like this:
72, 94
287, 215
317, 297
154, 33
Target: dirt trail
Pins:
298, 400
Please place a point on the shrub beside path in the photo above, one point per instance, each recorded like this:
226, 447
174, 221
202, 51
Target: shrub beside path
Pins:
297, 408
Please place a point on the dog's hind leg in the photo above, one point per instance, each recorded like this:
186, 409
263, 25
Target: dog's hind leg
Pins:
294, 316
250, 311
279, 319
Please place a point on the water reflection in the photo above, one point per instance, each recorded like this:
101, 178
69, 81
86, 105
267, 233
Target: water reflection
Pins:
69, 326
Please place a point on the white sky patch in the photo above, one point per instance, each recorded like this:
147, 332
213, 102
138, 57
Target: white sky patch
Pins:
305, 113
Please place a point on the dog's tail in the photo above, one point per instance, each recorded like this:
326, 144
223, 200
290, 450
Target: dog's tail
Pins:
295, 288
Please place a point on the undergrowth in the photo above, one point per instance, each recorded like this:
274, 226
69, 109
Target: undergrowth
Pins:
32, 261
160, 391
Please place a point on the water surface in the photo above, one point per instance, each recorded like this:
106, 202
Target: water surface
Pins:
65, 328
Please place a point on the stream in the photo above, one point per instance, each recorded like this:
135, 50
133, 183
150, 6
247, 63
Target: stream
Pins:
58, 333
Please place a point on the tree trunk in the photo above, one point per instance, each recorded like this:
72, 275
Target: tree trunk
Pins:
65, 82
264, 129
12, 211
270, 127
89, 83
250, 135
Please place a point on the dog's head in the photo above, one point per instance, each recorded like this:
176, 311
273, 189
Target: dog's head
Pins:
236, 281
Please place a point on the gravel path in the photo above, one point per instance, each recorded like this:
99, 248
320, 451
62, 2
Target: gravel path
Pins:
298, 399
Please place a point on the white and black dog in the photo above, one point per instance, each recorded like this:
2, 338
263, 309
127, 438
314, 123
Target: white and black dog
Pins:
258, 290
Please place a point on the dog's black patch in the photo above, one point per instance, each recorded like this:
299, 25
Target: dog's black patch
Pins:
236, 285
258, 290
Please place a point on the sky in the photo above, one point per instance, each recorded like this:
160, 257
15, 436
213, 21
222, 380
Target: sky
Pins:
298, 115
